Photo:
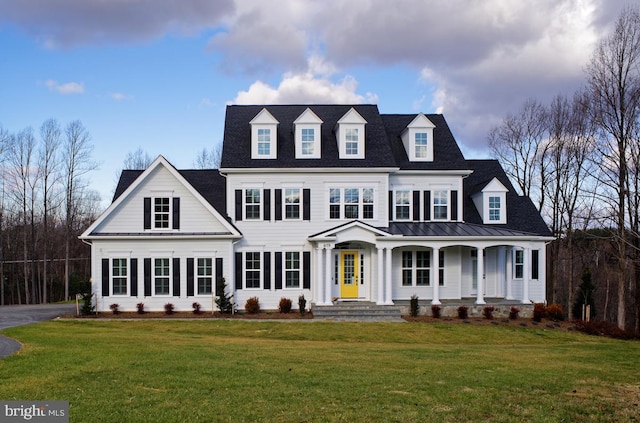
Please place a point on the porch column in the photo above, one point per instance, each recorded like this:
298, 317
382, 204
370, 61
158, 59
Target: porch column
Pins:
502, 273
327, 273
526, 275
380, 277
388, 277
509, 273
480, 295
319, 297
435, 266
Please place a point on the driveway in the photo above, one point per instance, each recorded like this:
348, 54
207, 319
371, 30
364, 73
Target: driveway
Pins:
18, 315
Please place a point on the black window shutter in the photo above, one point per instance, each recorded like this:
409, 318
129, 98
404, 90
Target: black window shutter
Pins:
535, 264
147, 277
134, 277
306, 204
306, 270
176, 277
416, 206
267, 270
427, 205
176, 213
105, 277
278, 204
238, 270
267, 204
391, 206
278, 270
218, 274
190, 278
238, 205
147, 212
454, 205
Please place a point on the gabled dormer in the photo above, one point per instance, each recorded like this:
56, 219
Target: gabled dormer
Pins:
350, 135
307, 135
491, 202
417, 139
264, 136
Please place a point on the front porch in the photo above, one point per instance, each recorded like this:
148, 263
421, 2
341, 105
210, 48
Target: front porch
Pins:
449, 308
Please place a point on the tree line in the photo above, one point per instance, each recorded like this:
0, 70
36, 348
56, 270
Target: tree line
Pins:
45, 203
578, 158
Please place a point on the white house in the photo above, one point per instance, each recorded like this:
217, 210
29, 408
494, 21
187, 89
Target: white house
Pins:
326, 201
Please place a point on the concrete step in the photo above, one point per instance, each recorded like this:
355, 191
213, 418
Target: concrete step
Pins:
358, 311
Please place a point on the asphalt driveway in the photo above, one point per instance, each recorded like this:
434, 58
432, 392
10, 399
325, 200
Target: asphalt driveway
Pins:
17, 315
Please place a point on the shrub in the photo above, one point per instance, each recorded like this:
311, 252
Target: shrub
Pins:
413, 305
538, 311
487, 312
436, 311
223, 300
87, 304
168, 308
196, 308
598, 328
463, 312
302, 304
554, 312
513, 313
284, 305
252, 306
115, 308
140, 307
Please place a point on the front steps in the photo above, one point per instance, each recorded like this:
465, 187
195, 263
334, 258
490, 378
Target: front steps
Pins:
358, 311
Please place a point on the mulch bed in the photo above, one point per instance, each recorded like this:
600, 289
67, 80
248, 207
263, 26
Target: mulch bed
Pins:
203, 315
479, 321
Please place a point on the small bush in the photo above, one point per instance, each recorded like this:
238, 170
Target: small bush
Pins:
87, 308
168, 308
414, 306
487, 312
463, 312
140, 308
598, 328
223, 300
513, 313
252, 306
436, 311
554, 312
196, 308
284, 305
115, 308
302, 304
538, 311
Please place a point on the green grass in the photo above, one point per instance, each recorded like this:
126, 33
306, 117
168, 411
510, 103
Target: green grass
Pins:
222, 371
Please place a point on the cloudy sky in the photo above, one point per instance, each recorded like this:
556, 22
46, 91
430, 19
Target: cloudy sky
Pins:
157, 74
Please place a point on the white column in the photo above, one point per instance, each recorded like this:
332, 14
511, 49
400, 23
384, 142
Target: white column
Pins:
502, 273
380, 278
480, 294
388, 277
509, 274
435, 272
327, 274
319, 296
526, 275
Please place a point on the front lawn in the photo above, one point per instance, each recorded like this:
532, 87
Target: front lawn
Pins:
297, 371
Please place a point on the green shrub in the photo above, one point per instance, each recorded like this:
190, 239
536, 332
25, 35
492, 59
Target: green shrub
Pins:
487, 312
115, 308
554, 312
252, 306
285, 305
87, 308
223, 300
414, 307
513, 313
463, 312
168, 308
436, 311
302, 304
539, 311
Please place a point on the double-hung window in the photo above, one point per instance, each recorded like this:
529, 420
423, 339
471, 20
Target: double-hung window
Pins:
252, 269
264, 141
161, 278
494, 208
416, 268
351, 203
292, 269
252, 202
441, 267
204, 272
421, 145
518, 264
441, 205
161, 212
292, 203
403, 205
352, 140
119, 276
308, 140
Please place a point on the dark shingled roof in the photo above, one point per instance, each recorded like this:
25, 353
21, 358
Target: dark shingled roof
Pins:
209, 183
522, 215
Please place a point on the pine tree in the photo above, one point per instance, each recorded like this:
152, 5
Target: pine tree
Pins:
223, 299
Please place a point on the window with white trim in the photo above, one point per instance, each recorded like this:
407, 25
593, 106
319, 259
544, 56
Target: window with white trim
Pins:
441, 205
421, 145
416, 268
252, 269
352, 141
252, 204
351, 203
292, 203
204, 275
292, 269
308, 140
441, 267
162, 212
161, 276
119, 276
494, 208
518, 264
402, 205
264, 141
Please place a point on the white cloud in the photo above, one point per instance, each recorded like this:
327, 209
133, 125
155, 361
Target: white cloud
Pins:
66, 88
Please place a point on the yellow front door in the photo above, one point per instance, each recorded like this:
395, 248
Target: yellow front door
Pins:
349, 274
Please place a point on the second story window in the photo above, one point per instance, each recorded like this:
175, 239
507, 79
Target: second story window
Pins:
403, 205
252, 204
440, 205
161, 212
351, 203
292, 203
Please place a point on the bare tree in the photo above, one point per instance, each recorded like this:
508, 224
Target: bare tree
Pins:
614, 82
209, 159
4, 143
138, 160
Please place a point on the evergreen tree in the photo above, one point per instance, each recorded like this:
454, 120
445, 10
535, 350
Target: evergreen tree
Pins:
223, 299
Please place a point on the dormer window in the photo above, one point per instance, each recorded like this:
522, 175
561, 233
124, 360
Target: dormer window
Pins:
351, 135
417, 139
307, 135
494, 208
264, 136
491, 202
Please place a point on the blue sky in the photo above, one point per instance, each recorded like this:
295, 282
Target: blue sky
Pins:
158, 74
